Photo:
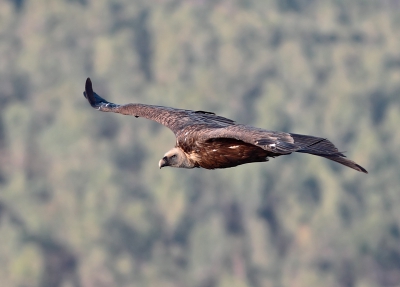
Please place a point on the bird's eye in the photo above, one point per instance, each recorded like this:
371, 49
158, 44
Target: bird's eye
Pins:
173, 157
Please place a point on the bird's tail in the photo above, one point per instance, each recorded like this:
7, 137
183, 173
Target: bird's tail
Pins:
324, 148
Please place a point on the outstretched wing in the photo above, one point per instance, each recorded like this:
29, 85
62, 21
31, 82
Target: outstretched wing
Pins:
174, 119
273, 141
280, 143
277, 142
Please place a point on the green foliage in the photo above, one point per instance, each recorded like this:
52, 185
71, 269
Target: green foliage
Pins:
82, 201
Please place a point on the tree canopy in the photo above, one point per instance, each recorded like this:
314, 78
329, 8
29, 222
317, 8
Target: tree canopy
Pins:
82, 201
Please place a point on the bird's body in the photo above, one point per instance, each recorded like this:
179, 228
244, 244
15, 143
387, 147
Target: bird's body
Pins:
206, 140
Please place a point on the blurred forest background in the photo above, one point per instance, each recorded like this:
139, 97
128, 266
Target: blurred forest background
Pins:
82, 201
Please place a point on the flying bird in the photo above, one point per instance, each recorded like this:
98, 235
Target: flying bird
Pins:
206, 140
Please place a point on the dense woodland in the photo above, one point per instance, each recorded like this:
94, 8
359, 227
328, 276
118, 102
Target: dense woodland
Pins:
82, 201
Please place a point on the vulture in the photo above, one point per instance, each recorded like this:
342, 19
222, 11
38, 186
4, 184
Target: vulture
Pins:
206, 140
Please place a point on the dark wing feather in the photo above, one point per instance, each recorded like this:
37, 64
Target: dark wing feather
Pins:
276, 142
324, 148
280, 143
174, 119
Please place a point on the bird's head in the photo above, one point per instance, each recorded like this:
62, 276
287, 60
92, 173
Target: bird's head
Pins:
175, 158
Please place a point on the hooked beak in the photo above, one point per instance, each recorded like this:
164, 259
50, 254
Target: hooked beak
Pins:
163, 162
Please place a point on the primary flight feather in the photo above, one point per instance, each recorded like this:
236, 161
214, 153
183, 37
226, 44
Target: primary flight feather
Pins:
206, 140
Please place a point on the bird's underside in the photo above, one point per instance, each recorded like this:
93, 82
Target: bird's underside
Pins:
206, 140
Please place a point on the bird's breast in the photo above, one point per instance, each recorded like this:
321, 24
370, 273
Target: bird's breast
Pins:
224, 153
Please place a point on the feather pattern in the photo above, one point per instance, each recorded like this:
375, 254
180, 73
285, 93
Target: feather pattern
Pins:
211, 141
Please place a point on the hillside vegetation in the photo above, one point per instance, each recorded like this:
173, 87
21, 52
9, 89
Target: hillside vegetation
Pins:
82, 201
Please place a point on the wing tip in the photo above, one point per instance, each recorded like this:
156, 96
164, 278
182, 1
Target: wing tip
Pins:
361, 169
88, 84
346, 162
88, 93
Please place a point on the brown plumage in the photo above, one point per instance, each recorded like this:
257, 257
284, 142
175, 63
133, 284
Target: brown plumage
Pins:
206, 140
